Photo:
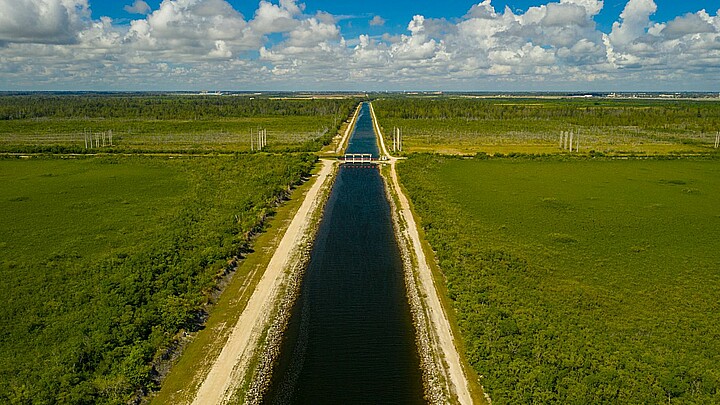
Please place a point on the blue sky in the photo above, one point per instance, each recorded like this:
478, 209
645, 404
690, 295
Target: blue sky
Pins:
397, 13
570, 45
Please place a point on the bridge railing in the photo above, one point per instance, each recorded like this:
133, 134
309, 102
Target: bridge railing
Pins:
358, 158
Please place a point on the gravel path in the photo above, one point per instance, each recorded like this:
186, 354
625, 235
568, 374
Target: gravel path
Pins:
231, 365
348, 130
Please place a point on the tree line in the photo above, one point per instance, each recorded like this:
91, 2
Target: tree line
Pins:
696, 116
171, 107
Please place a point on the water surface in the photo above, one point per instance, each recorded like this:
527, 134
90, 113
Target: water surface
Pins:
350, 338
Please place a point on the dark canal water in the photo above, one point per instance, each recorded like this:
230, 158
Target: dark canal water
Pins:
350, 338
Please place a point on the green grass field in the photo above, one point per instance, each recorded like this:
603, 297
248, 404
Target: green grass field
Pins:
579, 281
467, 126
171, 123
223, 135
106, 261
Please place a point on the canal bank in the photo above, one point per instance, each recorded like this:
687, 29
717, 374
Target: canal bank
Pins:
393, 345
227, 377
445, 372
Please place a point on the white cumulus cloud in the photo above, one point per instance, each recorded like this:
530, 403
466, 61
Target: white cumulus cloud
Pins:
688, 24
273, 18
209, 44
187, 30
635, 21
42, 21
138, 7
377, 21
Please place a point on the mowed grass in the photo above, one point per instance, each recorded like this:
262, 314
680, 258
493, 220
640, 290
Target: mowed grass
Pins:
454, 125
106, 262
129, 135
461, 137
580, 281
166, 123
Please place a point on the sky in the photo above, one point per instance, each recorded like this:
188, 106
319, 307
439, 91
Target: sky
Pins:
371, 45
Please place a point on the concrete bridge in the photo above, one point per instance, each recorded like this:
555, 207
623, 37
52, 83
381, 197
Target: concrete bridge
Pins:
358, 158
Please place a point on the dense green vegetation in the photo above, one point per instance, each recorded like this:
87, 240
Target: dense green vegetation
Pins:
107, 261
45, 123
580, 281
163, 107
468, 125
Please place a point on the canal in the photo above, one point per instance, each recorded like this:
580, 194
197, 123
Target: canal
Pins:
350, 339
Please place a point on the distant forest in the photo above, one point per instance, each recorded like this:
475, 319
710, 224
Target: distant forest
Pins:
163, 107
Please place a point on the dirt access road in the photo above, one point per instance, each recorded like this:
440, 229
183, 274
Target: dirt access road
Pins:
349, 129
229, 368
453, 370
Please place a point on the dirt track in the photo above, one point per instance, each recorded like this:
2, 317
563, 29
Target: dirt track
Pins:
348, 130
231, 365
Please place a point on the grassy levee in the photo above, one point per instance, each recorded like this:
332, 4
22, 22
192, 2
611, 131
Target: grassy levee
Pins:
107, 262
579, 281
454, 125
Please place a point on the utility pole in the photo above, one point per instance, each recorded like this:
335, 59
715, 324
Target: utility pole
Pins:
395, 137
567, 139
577, 143
259, 140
